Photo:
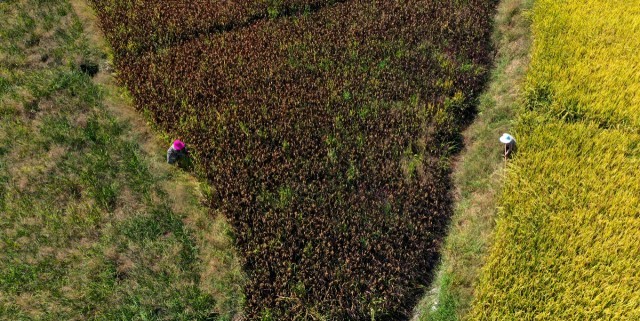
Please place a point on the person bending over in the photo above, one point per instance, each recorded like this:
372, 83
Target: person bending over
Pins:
176, 151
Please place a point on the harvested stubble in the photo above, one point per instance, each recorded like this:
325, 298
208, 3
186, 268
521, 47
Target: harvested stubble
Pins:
326, 138
566, 238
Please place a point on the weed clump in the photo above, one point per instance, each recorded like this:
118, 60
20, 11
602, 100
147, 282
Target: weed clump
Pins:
90, 68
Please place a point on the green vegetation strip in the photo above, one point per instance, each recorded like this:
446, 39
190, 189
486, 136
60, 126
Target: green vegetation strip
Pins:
569, 222
87, 229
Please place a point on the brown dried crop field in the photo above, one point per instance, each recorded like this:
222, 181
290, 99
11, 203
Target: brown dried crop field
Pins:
325, 129
142, 25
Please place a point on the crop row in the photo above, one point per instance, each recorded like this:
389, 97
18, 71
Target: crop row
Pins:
326, 138
566, 238
136, 26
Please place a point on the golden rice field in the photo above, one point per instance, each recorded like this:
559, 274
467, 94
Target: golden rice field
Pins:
567, 240
587, 54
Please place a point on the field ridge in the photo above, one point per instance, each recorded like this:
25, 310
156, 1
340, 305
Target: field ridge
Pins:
478, 171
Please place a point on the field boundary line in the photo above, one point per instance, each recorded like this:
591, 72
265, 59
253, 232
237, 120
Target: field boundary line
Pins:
478, 171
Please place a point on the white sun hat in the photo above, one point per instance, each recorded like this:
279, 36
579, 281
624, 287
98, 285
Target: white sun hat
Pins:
506, 138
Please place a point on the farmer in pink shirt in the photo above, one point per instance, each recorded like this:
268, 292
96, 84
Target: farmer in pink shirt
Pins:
176, 151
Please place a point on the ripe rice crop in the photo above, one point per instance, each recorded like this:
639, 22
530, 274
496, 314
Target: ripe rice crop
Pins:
135, 26
588, 61
326, 139
566, 241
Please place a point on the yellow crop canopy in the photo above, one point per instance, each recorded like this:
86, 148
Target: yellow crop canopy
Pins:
566, 240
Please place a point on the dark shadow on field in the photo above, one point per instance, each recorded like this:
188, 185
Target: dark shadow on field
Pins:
186, 164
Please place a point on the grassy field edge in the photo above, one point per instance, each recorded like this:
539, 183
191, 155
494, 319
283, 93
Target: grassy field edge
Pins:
221, 273
95, 225
479, 171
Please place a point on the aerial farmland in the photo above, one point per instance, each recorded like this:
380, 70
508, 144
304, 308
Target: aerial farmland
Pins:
416, 160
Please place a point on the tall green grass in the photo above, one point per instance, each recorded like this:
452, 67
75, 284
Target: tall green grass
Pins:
566, 241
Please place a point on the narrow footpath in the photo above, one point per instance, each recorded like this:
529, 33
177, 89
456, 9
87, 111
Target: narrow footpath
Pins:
479, 170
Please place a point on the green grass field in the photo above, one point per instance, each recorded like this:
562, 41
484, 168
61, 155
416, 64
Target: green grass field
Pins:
566, 241
92, 226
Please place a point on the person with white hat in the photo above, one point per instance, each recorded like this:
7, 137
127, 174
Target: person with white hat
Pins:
509, 145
